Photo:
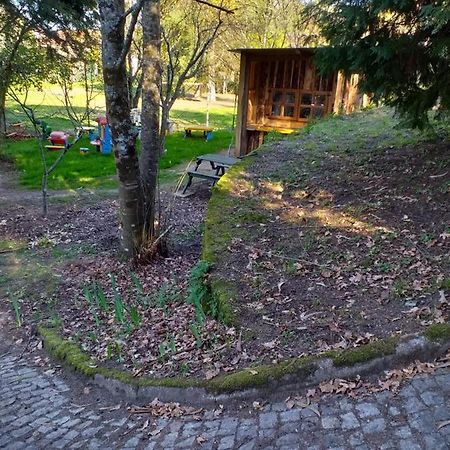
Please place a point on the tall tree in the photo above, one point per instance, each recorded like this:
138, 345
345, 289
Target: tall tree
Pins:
47, 19
150, 134
116, 42
188, 32
399, 47
137, 175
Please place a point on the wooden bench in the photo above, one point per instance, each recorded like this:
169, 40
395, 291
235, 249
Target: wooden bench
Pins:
55, 148
218, 162
207, 131
198, 174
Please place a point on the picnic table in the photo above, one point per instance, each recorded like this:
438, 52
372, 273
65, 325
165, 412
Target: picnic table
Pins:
207, 131
219, 163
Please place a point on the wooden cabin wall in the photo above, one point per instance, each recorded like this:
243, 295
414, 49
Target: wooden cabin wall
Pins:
284, 92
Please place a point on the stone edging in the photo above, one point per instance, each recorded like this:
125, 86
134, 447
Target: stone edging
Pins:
257, 382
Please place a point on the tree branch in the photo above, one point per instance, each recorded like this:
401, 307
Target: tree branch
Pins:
219, 7
136, 10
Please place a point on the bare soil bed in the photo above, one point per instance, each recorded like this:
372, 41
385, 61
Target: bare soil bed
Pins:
337, 239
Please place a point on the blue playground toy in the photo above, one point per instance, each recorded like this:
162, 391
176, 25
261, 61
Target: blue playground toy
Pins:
103, 140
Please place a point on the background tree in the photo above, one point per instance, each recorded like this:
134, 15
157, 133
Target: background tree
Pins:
189, 30
399, 47
25, 25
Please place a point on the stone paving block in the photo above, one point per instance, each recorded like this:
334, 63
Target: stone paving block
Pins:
288, 439
266, 433
355, 439
393, 411
22, 431
443, 380
290, 427
132, 442
349, 421
56, 434
89, 432
331, 439
409, 444
435, 442
309, 424
292, 415
374, 426
226, 442
403, 432
441, 413
345, 405
228, 426
431, 398
330, 422
422, 421
268, 419
245, 432
365, 410
248, 446
413, 405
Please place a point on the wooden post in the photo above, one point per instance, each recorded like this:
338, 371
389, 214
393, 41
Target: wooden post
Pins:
241, 124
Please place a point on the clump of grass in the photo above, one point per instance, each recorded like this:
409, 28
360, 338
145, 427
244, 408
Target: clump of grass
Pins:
100, 297
15, 303
118, 304
200, 293
135, 316
196, 331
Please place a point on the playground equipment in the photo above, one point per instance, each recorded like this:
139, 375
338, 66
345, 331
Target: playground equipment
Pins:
58, 141
103, 140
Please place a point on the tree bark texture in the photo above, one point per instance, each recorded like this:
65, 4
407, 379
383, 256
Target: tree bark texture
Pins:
124, 134
150, 133
2, 112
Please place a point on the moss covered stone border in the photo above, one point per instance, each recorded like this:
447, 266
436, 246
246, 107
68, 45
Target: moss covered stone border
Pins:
252, 382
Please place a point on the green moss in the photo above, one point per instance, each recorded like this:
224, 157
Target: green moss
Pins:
363, 353
73, 356
252, 377
9, 245
438, 332
224, 292
261, 375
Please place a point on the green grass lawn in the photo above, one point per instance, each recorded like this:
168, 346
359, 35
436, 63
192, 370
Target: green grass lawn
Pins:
94, 170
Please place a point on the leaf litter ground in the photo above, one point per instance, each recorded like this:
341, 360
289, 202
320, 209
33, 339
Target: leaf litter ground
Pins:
352, 246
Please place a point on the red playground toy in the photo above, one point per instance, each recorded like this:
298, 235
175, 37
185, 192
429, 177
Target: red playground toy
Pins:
58, 141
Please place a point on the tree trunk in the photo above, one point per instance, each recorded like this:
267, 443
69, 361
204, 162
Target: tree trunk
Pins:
150, 134
87, 94
137, 92
123, 133
2, 112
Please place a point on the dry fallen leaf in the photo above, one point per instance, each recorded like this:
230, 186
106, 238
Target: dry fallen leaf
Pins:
200, 439
443, 424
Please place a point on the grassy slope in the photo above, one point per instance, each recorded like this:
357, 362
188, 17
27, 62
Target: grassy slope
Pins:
240, 209
95, 170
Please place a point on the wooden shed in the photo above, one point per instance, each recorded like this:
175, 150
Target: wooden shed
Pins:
281, 90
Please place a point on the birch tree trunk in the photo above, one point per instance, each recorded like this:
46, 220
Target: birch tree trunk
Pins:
150, 133
124, 134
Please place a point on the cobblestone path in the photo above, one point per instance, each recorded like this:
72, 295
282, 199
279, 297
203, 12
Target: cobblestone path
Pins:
39, 410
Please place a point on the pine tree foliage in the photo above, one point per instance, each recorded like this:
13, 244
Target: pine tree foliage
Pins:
401, 49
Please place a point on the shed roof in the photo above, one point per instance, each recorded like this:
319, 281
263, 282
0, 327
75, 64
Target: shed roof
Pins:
275, 51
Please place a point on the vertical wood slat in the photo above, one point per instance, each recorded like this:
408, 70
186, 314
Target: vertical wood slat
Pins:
241, 122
